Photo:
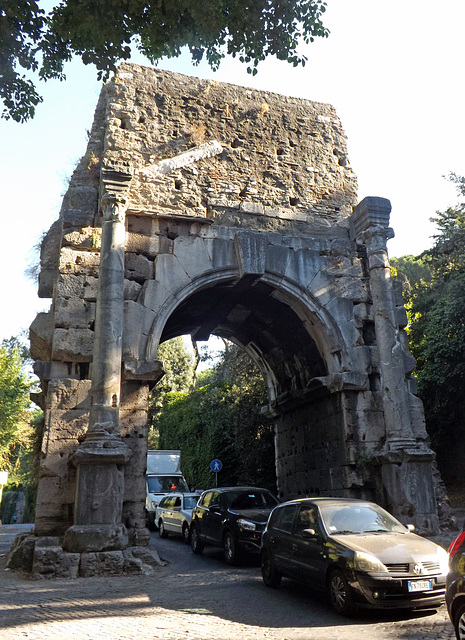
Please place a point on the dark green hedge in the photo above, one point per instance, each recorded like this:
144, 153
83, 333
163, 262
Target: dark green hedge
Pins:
220, 421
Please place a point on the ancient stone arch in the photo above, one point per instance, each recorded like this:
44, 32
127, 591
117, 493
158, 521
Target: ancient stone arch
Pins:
205, 208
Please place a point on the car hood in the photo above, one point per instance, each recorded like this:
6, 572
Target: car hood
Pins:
256, 515
391, 547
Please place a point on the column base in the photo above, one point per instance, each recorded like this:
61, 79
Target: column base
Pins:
84, 538
408, 484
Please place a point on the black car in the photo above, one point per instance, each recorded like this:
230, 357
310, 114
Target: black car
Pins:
232, 518
455, 585
355, 551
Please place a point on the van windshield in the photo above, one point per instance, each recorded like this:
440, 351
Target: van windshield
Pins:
166, 484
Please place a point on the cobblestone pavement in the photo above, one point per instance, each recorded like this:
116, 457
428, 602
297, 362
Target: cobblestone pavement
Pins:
192, 597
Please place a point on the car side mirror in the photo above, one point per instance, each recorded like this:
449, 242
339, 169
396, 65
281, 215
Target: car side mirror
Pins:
176, 508
214, 509
309, 533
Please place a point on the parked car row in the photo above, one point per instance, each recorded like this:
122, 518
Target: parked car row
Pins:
354, 550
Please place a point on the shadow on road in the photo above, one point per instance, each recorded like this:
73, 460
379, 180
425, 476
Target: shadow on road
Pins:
189, 584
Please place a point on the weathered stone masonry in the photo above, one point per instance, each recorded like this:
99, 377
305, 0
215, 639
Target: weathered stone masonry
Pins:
207, 208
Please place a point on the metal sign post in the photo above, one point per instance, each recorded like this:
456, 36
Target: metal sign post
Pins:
215, 466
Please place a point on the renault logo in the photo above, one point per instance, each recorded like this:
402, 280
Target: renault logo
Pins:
418, 569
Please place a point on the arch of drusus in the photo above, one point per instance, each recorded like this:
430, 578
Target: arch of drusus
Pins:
206, 208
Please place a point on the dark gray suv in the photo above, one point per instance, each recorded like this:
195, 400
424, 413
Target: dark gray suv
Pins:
232, 518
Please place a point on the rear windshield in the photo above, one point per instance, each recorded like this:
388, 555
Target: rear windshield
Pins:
250, 500
166, 484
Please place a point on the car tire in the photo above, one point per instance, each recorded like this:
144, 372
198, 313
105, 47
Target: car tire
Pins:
271, 576
197, 545
340, 594
230, 551
161, 529
185, 533
459, 623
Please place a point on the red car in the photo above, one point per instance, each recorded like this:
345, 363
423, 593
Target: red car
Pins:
455, 585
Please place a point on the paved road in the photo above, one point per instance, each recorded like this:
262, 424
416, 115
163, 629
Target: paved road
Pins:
192, 597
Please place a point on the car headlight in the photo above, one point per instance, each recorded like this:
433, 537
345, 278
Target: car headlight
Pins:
246, 525
368, 563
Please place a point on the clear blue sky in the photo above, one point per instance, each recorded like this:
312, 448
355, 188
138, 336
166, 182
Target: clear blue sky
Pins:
393, 71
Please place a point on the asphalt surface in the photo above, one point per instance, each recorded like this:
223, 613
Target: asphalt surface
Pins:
193, 597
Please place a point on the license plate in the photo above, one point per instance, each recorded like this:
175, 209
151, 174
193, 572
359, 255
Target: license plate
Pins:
420, 585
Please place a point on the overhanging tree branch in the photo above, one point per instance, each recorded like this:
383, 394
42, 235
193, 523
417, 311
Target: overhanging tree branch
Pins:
103, 33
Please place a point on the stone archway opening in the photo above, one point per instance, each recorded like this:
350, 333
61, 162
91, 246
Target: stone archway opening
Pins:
250, 314
253, 315
297, 355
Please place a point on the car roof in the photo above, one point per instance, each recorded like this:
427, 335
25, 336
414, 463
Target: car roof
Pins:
180, 494
246, 488
326, 501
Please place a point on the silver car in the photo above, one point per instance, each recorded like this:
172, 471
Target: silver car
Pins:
174, 514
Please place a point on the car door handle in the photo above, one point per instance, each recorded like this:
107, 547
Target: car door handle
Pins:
295, 547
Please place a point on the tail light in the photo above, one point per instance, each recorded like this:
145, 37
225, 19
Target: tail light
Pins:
455, 544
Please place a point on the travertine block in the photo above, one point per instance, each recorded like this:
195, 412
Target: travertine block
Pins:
138, 267
69, 394
73, 345
77, 286
74, 312
40, 335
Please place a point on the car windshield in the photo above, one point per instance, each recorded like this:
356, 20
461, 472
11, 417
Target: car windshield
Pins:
359, 518
190, 502
166, 484
250, 499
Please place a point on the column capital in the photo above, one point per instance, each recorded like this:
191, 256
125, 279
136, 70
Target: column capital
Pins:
371, 212
114, 187
114, 206
375, 239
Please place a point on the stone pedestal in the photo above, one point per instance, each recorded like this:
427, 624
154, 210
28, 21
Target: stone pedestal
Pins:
99, 498
409, 487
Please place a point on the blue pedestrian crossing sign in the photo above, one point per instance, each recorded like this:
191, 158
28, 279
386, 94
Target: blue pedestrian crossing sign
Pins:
216, 465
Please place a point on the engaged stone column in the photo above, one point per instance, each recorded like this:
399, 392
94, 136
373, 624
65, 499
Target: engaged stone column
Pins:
406, 461
371, 223
101, 457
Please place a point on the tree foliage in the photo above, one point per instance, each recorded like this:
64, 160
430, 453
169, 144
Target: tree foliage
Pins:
222, 420
21, 431
411, 271
103, 33
15, 423
447, 256
437, 327
178, 366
